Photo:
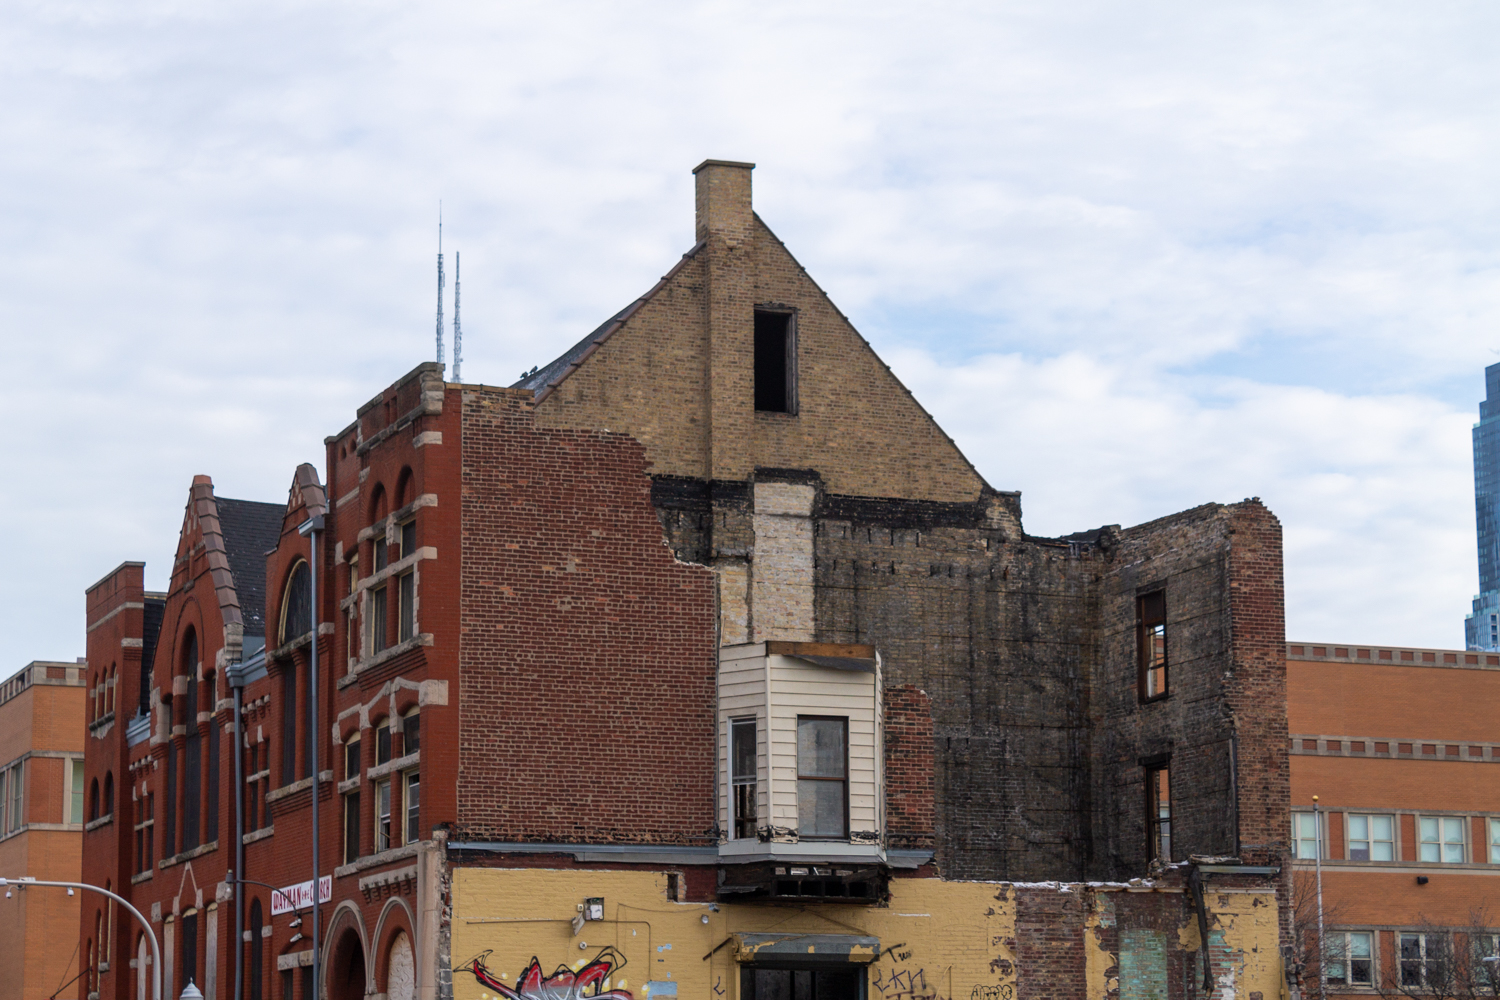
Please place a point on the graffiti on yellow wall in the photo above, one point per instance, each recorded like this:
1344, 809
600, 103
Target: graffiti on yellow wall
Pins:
591, 982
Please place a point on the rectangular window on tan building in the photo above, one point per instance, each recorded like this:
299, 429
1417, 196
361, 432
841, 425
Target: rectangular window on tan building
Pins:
1151, 642
775, 361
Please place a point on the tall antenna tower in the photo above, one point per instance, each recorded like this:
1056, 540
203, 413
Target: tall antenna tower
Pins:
440, 286
458, 331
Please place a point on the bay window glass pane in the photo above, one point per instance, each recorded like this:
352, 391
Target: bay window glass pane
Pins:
820, 748
820, 808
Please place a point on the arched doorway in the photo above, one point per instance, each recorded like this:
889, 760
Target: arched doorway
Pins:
346, 971
400, 970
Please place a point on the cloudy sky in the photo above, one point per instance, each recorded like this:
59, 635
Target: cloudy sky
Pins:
1134, 257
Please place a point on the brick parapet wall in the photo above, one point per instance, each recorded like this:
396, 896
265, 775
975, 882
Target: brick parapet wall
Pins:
587, 651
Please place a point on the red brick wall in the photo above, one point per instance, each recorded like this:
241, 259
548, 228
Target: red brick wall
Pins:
1257, 694
587, 652
908, 767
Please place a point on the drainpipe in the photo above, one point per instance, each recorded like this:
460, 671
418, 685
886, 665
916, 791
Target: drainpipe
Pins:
236, 673
1318, 863
311, 529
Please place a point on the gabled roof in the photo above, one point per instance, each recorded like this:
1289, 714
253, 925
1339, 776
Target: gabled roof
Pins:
542, 381
250, 529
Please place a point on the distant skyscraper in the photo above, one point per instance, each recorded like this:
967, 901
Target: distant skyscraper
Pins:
1482, 627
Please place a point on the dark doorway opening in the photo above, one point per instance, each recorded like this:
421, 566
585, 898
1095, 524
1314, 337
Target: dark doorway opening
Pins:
346, 972
838, 982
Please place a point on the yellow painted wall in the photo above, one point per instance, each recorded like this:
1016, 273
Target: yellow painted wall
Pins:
939, 940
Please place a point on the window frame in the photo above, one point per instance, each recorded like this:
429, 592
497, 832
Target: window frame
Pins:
1442, 843
1369, 838
1156, 824
382, 815
411, 725
744, 788
1319, 838
789, 365
1424, 961
1147, 621
385, 747
411, 811
1345, 957
844, 780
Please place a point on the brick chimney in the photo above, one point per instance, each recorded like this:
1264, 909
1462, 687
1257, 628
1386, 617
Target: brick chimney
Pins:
723, 200
726, 222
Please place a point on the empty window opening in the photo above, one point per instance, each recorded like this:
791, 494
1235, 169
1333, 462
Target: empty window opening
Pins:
822, 778
775, 362
1159, 813
1151, 629
742, 765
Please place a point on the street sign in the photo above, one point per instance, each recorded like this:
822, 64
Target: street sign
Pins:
300, 896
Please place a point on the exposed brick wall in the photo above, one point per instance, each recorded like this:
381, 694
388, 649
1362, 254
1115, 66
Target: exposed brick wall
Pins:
908, 767
587, 651
1050, 962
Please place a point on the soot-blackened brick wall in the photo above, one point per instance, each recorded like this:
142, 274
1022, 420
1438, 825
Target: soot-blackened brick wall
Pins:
587, 651
908, 768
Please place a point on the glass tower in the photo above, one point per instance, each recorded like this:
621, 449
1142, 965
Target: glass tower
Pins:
1482, 626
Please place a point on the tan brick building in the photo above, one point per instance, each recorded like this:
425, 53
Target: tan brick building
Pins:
42, 815
1400, 746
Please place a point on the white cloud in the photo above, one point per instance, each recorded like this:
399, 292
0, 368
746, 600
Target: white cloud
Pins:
1250, 229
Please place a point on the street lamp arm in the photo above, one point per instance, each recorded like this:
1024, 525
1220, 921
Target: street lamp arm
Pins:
150, 934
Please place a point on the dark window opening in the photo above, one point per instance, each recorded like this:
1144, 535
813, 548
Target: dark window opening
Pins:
775, 362
378, 639
742, 776
845, 982
288, 725
406, 593
109, 793
383, 742
822, 778
192, 777
190, 948
1151, 641
296, 609
94, 800
169, 806
1158, 813
257, 960
411, 733
351, 828
351, 759
211, 805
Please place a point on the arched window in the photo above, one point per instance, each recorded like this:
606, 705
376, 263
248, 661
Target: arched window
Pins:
192, 767
109, 793
257, 960
89, 701
296, 603
94, 800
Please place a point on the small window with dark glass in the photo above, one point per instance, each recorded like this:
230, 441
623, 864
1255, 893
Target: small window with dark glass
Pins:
775, 361
296, 605
411, 732
822, 778
742, 777
383, 742
1151, 640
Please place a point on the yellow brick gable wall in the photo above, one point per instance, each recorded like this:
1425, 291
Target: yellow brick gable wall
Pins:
660, 379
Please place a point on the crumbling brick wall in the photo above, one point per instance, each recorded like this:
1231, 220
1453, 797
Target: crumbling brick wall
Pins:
587, 652
908, 767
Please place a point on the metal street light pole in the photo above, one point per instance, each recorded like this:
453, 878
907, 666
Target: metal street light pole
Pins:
26, 883
312, 528
1318, 867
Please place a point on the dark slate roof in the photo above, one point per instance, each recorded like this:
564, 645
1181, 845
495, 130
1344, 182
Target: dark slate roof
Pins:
250, 529
538, 379
559, 368
156, 610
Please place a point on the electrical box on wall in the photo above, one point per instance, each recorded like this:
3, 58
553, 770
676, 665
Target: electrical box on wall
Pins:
593, 908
